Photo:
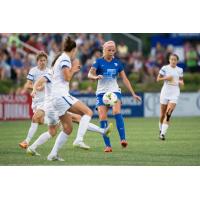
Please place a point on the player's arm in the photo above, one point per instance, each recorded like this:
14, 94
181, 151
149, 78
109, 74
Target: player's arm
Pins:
69, 72
128, 85
92, 74
181, 81
160, 77
38, 85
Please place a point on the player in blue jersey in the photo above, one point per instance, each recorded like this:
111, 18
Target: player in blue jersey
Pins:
106, 70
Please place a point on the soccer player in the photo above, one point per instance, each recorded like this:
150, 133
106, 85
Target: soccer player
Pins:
63, 72
38, 101
172, 75
106, 70
52, 116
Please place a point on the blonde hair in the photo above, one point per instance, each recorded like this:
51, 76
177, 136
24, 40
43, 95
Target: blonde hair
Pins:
107, 44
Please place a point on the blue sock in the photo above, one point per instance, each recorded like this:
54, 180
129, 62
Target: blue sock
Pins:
104, 124
120, 126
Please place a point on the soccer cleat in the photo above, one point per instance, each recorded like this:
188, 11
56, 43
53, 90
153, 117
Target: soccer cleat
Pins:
54, 158
162, 136
32, 152
108, 130
124, 143
81, 145
23, 145
108, 149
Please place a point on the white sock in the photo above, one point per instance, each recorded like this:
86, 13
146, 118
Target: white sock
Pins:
164, 129
83, 125
95, 128
44, 137
60, 141
32, 130
160, 126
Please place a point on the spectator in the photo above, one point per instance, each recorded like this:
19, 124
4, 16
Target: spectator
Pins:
74, 88
191, 60
122, 49
4, 67
17, 66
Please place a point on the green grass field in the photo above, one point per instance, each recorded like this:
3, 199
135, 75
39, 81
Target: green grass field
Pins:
182, 147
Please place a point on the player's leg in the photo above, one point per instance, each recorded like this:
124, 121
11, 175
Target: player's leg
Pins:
163, 108
102, 111
86, 114
37, 118
170, 108
92, 127
42, 139
120, 123
66, 122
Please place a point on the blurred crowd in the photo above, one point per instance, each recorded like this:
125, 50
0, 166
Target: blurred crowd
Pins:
18, 55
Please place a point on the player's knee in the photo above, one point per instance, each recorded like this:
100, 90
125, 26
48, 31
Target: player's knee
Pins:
68, 129
35, 119
102, 116
89, 112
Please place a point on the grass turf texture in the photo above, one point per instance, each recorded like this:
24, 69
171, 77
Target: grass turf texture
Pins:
181, 148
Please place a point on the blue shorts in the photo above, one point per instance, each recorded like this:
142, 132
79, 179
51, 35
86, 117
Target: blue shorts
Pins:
99, 99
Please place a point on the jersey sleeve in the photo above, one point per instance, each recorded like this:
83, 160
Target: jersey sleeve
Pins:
48, 77
95, 64
181, 73
65, 63
121, 66
162, 71
30, 75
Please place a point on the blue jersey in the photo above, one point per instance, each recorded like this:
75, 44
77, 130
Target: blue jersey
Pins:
109, 71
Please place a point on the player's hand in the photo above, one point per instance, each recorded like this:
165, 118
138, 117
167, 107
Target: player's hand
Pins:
76, 65
40, 88
137, 98
33, 94
181, 82
99, 77
169, 78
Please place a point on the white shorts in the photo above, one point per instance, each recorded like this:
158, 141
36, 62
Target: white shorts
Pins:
165, 99
37, 106
169, 96
51, 116
63, 103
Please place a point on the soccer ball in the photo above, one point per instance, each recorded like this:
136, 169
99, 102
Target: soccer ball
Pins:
109, 98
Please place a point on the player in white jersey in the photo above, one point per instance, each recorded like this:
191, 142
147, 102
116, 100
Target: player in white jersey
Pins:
106, 71
52, 116
63, 72
172, 75
38, 101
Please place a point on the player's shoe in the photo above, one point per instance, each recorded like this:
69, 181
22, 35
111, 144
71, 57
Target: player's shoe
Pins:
162, 136
108, 149
54, 158
23, 145
108, 130
124, 143
32, 152
81, 145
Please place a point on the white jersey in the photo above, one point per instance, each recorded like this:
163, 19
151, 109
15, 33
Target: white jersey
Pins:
34, 74
171, 88
59, 85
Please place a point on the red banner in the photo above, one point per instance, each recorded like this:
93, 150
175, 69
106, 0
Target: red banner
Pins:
14, 107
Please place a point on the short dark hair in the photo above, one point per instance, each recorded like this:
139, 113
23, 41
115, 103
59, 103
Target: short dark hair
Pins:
175, 55
40, 55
